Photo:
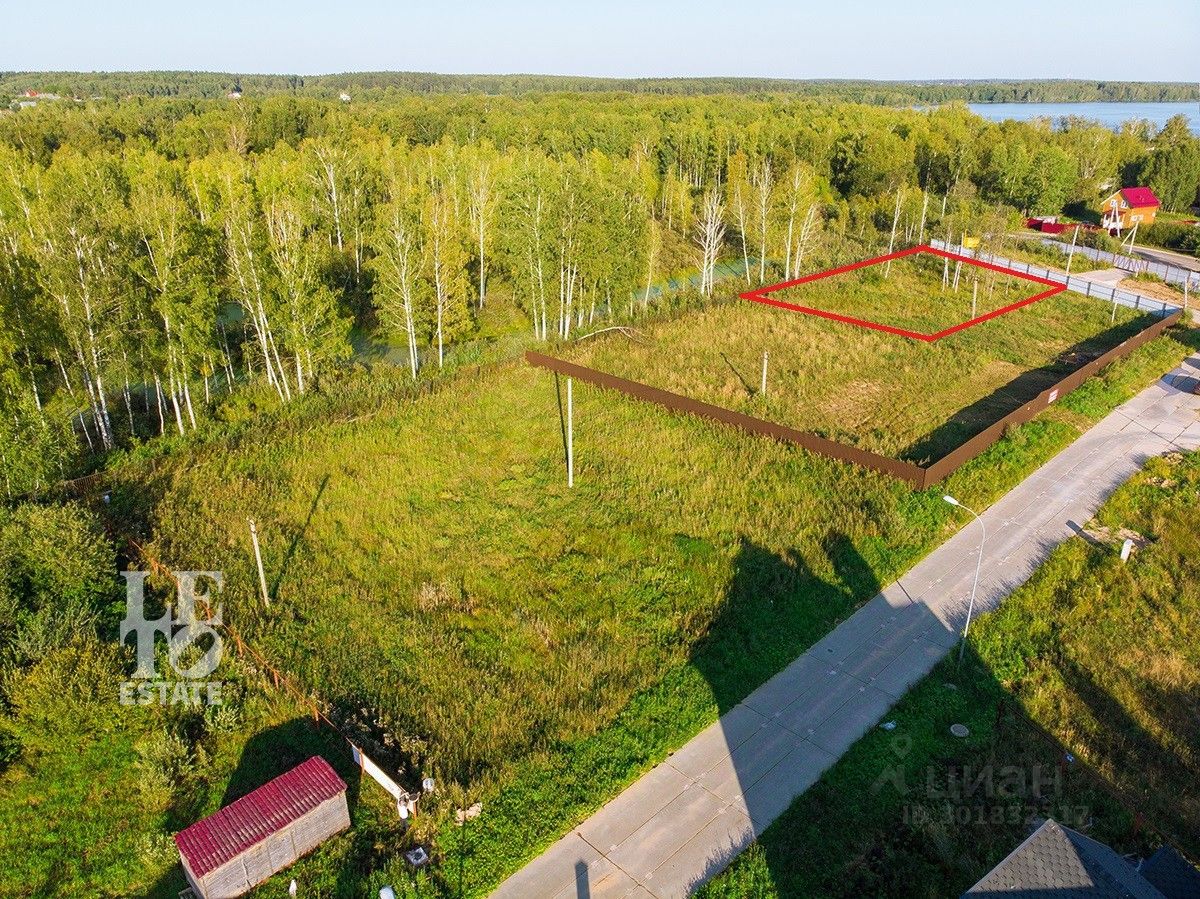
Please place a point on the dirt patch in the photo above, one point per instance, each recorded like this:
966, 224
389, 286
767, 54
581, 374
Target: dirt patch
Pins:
1154, 290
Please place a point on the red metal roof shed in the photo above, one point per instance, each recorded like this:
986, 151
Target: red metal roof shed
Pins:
1139, 197
213, 841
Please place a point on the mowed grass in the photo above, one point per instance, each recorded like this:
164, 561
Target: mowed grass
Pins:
891, 394
1082, 695
539, 647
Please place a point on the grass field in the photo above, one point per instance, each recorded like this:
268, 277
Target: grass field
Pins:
922, 292
1053, 672
535, 646
897, 396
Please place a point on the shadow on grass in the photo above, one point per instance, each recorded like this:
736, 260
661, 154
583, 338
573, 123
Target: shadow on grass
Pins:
979, 415
296, 539
268, 754
750, 391
917, 811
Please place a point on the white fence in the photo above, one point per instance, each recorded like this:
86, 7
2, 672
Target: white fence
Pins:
1085, 286
1172, 274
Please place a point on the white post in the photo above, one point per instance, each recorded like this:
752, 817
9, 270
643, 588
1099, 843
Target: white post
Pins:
1114, 312
978, 565
570, 437
974, 298
763, 391
262, 578
1071, 253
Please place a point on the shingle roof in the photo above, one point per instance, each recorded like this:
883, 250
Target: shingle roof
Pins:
1172, 874
226, 834
1056, 861
1139, 197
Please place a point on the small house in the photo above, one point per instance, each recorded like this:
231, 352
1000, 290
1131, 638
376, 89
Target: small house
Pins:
1058, 861
1128, 207
247, 841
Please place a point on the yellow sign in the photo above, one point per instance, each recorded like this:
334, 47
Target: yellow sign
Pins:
970, 243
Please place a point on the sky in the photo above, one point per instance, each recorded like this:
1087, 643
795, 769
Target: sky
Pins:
799, 39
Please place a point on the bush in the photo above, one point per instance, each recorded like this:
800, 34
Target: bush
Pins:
1184, 238
1099, 240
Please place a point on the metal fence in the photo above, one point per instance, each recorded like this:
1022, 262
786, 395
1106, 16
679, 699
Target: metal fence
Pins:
906, 471
1085, 286
919, 476
1172, 274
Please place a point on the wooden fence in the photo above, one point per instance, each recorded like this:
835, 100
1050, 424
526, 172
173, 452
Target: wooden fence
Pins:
919, 476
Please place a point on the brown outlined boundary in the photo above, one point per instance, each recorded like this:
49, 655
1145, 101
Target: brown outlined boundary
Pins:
919, 476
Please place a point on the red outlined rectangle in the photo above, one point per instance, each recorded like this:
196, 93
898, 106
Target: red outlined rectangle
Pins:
761, 295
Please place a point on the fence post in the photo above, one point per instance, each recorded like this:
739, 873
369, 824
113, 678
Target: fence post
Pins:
262, 578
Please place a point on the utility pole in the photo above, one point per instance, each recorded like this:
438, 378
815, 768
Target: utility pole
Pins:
262, 578
1071, 253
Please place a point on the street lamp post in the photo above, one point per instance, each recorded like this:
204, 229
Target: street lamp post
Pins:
978, 564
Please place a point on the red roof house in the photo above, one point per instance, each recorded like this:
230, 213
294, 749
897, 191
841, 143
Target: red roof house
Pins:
247, 841
1127, 207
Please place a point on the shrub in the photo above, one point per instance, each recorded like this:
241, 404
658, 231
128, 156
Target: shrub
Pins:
1174, 236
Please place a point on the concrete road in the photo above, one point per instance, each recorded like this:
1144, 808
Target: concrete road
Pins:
1168, 257
685, 820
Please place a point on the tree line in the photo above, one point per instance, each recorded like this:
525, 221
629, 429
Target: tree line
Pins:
374, 85
156, 255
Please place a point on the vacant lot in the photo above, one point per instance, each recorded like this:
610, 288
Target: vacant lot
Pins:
894, 395
922, 292
433, 575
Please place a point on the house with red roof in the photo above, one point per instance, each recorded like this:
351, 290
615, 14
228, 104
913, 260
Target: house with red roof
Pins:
240, 846
1128, 207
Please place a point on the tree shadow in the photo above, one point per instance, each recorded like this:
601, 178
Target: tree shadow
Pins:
981, 414
915, 810
776, 606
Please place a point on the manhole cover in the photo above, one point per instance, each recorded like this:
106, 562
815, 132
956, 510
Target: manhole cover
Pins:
959, 730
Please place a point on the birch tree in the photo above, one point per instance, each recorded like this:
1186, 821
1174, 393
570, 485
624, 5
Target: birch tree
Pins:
446, 263
710, 234
481, 206
399, 262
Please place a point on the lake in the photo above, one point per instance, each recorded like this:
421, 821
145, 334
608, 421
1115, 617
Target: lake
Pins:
1111, 115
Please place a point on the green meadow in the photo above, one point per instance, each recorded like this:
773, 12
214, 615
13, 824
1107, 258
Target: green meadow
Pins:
533, 646
898, 396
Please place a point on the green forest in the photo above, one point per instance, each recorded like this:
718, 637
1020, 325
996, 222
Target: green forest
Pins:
158, 252
311, 311
377, 84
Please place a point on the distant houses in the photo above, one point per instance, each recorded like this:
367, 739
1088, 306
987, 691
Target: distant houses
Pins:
244, 843
1128, 208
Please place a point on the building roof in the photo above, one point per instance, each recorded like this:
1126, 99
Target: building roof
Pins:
226, 834
1139, 197
1172, 874
1056, 861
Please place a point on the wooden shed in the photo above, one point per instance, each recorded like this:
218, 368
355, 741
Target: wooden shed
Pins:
247, 841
